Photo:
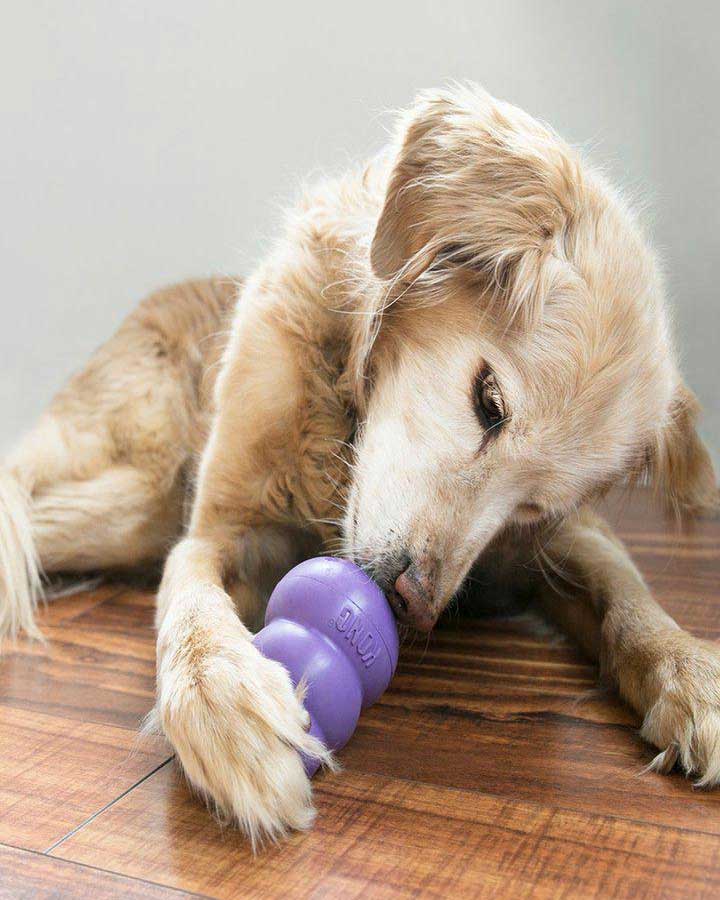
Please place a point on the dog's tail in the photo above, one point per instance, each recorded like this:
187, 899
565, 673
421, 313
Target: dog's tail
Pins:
20, 572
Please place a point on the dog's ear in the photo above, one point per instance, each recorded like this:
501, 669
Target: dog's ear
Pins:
679, 464
479, 185
401, 245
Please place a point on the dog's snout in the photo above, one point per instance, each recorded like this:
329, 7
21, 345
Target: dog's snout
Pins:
415, 590
409, 585
385, 569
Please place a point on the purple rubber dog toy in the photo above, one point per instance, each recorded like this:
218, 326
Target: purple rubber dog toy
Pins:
328, 622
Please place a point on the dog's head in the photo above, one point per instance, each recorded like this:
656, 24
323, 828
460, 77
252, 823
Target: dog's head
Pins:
516, 357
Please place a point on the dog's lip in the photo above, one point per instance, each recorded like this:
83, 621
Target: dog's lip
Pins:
424, 622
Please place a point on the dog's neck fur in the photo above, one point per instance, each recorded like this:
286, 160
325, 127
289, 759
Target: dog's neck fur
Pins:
323, 261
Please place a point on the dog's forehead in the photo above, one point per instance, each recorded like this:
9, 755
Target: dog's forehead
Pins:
591, 369
591, 344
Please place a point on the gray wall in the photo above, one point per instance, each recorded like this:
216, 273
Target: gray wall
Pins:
146, 142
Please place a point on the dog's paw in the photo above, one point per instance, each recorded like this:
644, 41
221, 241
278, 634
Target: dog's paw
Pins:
684, 721
237, 724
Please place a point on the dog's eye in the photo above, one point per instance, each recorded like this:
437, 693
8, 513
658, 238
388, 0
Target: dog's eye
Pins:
456, 255
488, 401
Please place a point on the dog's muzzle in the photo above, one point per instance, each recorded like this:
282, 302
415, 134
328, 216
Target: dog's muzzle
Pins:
409, 585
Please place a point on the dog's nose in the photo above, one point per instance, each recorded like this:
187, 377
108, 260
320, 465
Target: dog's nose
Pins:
414, 595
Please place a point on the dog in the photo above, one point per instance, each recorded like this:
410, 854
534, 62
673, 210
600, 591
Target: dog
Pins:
450, 354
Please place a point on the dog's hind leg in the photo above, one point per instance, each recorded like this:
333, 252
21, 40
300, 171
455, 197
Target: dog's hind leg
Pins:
66, 507
119, 519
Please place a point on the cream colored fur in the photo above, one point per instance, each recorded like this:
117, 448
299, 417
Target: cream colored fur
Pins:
331, 401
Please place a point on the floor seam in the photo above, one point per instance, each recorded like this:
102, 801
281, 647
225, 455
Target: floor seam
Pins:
107, 806
84, 865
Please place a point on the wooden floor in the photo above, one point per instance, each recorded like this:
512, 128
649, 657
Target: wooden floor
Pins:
490, 768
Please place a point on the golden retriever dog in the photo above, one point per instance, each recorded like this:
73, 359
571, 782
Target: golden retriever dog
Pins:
450, 354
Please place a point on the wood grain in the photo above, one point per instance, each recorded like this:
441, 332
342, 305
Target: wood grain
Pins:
32, 876
392, 838
57, 772
69, 715
492, 767
524, 715
98, 664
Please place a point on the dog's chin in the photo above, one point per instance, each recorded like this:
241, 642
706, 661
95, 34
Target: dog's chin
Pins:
422, 622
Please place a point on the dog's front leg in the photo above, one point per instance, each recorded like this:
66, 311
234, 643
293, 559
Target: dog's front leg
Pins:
232, 715
670, 677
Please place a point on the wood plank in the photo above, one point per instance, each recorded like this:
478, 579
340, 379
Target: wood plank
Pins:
66, 607
681, 561
69, 714
32, 876
98, 664
385, 837
57, 772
